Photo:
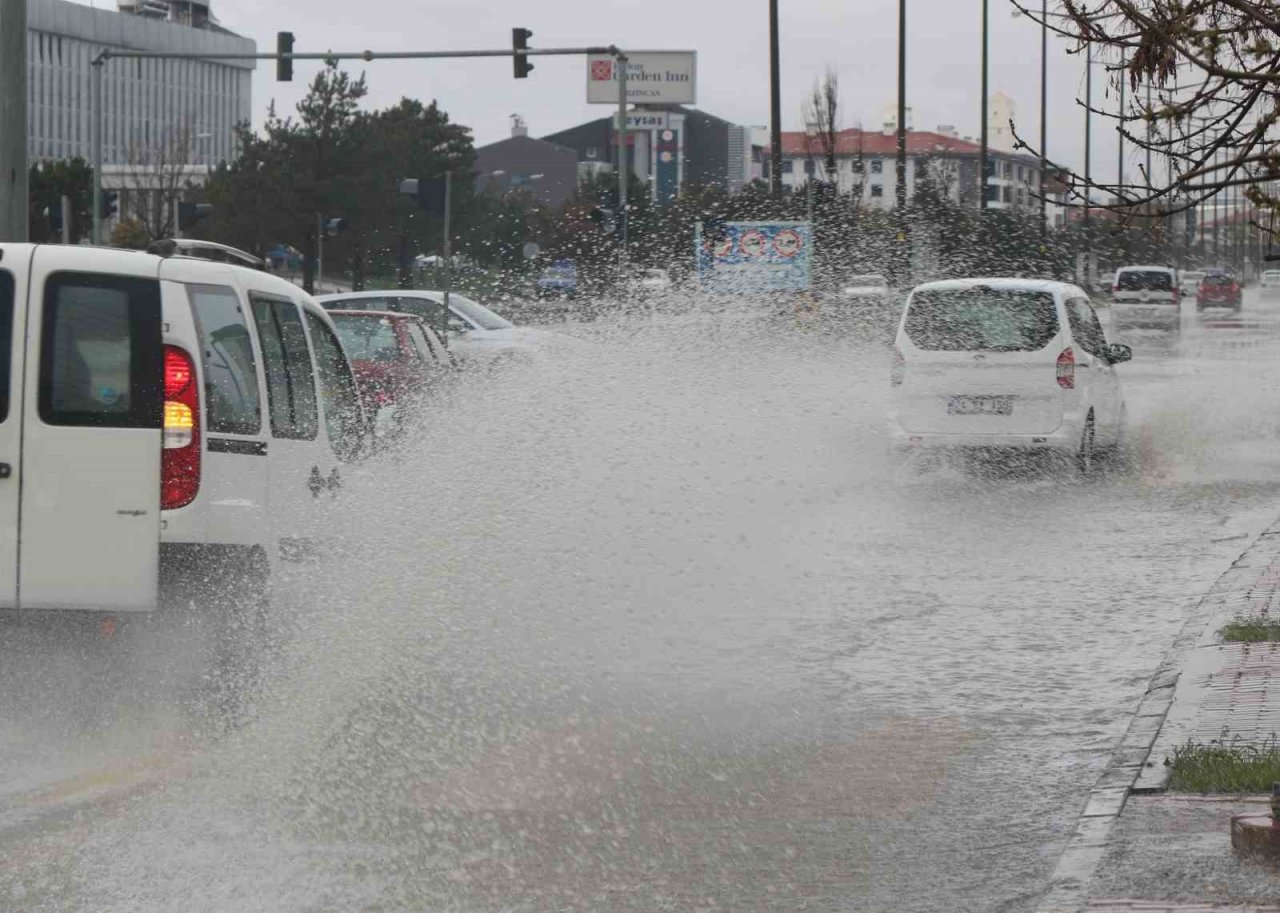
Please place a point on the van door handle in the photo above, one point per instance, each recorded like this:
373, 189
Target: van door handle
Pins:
315, 482
5, 470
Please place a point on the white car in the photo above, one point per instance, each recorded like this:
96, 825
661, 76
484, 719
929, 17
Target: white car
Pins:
474, 332
1146, 296
1189, 282
1269, 284
994, 364
175, 425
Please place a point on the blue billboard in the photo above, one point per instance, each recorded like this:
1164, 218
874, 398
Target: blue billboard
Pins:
751, 258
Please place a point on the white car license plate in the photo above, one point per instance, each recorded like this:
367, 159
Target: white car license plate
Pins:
980, 405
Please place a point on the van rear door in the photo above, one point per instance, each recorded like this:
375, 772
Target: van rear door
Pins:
92, 411
14, 267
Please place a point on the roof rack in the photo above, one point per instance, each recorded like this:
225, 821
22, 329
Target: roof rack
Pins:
205, 250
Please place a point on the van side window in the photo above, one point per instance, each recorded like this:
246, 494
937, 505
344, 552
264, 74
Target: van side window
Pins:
1085, 327
230, 370
286, 360
6, 341
101, 357
342, 418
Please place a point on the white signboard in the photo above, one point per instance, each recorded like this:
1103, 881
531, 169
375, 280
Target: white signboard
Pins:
653, 78
645, 120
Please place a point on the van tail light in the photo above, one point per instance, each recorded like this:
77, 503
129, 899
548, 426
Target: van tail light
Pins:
899, 372
180, 456
1067, 369
1114, 289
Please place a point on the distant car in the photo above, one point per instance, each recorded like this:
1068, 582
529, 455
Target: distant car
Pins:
475, 333
396, 359
651, 281
1270, 282
869, 286
1189, 281
560, 278
996, 364
1219, 290
1146, 296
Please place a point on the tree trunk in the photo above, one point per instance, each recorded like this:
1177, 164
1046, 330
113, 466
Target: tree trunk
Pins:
309, 263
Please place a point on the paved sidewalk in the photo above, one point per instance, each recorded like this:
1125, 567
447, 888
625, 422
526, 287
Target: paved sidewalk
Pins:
1159, 906
1205, 690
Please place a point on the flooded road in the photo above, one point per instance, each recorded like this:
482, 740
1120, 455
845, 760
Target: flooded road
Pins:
657, 625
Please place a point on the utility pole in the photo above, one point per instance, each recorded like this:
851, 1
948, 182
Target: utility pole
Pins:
319, 253
98, 66
982, 157
623, 164
13, 117
775, 106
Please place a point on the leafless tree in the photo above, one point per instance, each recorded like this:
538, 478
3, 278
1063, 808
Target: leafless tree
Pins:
821, 113
155, 178
1214, 71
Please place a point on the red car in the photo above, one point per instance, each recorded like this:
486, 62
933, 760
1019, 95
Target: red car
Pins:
1219, 290
396, 359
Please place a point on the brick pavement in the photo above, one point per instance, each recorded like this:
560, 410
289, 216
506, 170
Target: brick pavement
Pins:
1204, 690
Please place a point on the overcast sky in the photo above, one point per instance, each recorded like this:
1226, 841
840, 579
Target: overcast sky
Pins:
857, 37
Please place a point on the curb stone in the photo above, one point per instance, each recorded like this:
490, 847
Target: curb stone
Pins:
1159, 722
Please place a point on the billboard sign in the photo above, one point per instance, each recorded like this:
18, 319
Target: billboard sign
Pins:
653, 78
751, 258
645, 120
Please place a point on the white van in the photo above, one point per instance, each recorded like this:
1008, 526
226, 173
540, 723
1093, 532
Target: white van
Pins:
1005, 364
1146, 296
160, 418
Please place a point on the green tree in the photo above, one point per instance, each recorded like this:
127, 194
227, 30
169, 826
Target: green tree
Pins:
49, 182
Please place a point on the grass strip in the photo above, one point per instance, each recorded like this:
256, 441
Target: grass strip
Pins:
1220, 767
1260, 629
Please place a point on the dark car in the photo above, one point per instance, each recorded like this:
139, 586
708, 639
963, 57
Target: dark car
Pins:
1219, 290
396, 359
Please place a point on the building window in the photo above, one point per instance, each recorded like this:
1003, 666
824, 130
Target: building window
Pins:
788, 166
993, 193
877, 166
809, 167
877, 190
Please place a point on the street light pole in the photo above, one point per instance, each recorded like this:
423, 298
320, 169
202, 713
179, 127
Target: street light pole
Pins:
98, 66
1088, 163
1044, 123
982, 157
904, 264
775, 106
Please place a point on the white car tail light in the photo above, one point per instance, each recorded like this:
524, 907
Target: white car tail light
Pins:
1067, 369
180, 458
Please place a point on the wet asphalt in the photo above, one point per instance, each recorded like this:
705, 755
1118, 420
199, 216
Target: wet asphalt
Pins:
657, 624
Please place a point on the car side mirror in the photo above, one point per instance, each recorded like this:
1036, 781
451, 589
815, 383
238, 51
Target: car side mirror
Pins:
1120, 352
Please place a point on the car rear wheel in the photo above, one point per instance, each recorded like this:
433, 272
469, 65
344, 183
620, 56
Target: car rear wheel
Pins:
1087, 457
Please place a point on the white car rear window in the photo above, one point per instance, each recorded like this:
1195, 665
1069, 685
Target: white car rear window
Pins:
982, 319
1155, 280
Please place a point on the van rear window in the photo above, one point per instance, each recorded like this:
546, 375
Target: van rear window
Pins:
981, 319
1137, 280
100, 351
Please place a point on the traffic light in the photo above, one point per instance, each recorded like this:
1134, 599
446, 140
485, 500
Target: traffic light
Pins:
191, 213
334, 227
520, 62
284, 64
108, 204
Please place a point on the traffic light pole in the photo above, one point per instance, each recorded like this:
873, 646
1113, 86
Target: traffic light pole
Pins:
99, 64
